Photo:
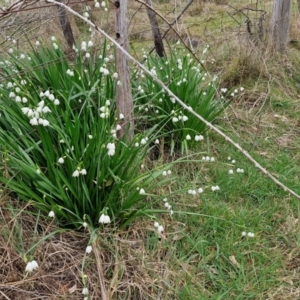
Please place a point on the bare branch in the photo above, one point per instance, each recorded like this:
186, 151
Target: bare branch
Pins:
208, 124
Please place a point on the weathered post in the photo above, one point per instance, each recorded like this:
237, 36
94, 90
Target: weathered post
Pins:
280, 24
158, 42
124, 94
65, 25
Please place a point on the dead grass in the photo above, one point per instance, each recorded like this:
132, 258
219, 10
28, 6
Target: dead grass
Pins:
134, 264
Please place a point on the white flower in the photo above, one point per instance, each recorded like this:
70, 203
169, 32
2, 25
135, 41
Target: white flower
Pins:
118, 127
83, 172
10, 50
238, 170
184, 118
111, 149
121, 116
37, 43
88, 249
169, 172
142, 191
31, 266
212, 159
198, 138
164, 173
104, 71
90, 44
97, 4
38, 110
85, 224
241, 89
51, 97
23, 82
46, 123
160, 229
41, 104
51, 214
86, 14
143, 142
156, 224
188, 137
136, 144
34, 121
115, 75
24, 100
215, 188
70, 72
87, 55
104, 219
233, 161
90, 136
11, 95
10, 85
230, 171
103, 4
75, 173
85, 291
18, 99
46, 109
56, 102
25, 110
156, 142
192, 192
55, 46
41, 121
30, 113
61, 160
244, 233
53, 39
250, 234
200, 190
175, 119
22, 56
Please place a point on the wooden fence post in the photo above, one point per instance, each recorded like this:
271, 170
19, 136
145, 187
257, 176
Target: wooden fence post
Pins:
124, 94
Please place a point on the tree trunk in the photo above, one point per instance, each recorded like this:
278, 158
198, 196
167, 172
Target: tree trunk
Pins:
124, 94
158, 43
298, 2
280, 24
65, 25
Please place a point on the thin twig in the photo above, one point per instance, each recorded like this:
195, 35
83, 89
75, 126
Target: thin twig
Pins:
208, 124
100, 270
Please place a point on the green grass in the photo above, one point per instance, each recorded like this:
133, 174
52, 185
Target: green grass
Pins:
246, 202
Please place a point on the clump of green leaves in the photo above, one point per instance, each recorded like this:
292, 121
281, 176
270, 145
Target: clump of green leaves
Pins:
188, 81
58, 136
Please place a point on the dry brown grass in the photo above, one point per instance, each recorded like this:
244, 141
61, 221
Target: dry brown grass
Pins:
130, 266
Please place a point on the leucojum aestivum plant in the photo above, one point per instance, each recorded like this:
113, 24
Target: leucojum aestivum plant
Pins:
187, 79
58, 135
